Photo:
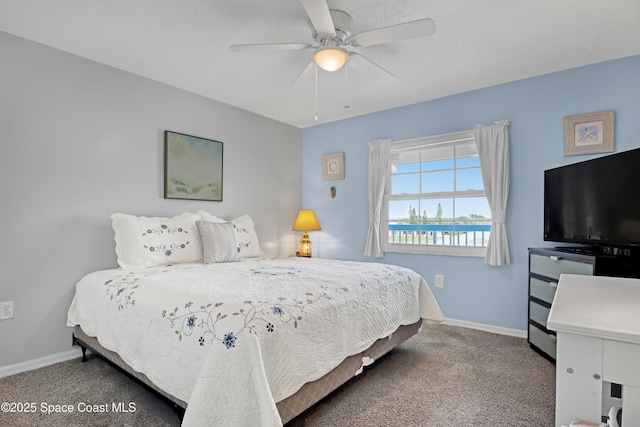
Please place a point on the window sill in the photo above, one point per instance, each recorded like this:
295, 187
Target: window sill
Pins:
475, 252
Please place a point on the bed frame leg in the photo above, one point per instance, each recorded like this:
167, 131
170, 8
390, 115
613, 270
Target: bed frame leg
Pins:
84, 354
76, 341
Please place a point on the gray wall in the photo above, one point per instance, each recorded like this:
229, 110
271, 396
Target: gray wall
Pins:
79, 141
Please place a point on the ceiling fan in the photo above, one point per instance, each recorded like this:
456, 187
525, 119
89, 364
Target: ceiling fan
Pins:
332, 36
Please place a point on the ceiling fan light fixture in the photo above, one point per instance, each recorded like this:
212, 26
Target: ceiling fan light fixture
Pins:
331, 58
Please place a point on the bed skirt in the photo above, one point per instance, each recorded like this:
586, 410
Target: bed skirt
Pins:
292, 406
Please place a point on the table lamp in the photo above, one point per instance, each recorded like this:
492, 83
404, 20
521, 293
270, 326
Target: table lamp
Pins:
306, 221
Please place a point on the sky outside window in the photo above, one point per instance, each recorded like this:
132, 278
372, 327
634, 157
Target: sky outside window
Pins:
433, 177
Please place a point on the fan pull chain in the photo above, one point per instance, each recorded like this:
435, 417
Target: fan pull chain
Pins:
316, 118
346, 88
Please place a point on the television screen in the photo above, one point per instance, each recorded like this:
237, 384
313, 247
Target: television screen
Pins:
595, 202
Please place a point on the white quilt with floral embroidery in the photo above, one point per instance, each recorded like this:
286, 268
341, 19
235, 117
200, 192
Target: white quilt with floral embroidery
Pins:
231, 339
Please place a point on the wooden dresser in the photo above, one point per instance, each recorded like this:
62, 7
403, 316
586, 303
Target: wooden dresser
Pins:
546, 265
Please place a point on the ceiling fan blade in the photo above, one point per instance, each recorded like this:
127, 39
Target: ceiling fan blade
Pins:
268, 47
318, 12
366, 66
303, 75
408, 30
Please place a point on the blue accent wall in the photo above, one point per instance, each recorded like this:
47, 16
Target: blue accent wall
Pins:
536, 106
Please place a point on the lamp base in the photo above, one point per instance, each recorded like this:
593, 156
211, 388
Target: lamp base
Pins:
305, 246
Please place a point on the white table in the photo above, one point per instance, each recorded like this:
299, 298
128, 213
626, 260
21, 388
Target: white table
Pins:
597, 321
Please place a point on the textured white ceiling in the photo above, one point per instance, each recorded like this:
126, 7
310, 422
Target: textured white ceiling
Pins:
184, 43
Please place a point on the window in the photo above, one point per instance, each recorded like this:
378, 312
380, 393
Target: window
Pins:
436, 201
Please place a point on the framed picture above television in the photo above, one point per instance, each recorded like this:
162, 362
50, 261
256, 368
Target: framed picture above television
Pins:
192, 167
589, 133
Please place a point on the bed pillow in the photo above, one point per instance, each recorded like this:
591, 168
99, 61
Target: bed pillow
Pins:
246, 237
247, 242
218, 242
147, 242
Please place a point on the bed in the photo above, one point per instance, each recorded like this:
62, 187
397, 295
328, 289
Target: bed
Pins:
253, 341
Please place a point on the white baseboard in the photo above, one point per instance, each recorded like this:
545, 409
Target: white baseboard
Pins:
488, 328
40, 362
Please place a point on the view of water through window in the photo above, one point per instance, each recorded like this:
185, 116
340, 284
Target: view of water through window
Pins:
438, 202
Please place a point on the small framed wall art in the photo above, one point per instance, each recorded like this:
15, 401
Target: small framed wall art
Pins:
333, 166
589, 133
192, 167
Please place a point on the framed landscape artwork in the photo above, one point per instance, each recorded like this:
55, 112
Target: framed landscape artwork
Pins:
192, 167
589, 133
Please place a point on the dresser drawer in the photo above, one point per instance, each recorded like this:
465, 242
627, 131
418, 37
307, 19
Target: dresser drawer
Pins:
543, 290
538, 313
553, 267
544, 341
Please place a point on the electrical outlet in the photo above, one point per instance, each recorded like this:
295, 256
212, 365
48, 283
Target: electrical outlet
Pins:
439, 281
6, 310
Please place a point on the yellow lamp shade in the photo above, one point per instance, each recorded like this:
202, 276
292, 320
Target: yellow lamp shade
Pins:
331, 58
306, 221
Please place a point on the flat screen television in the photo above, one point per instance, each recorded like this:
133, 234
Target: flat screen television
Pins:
595, 202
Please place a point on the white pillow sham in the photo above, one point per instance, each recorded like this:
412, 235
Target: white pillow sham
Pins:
143, 242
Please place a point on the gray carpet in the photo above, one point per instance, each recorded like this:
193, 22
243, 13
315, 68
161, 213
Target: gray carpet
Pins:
444, 376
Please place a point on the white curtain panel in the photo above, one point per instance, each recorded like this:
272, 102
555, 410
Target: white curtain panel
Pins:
493, 151
379, 166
